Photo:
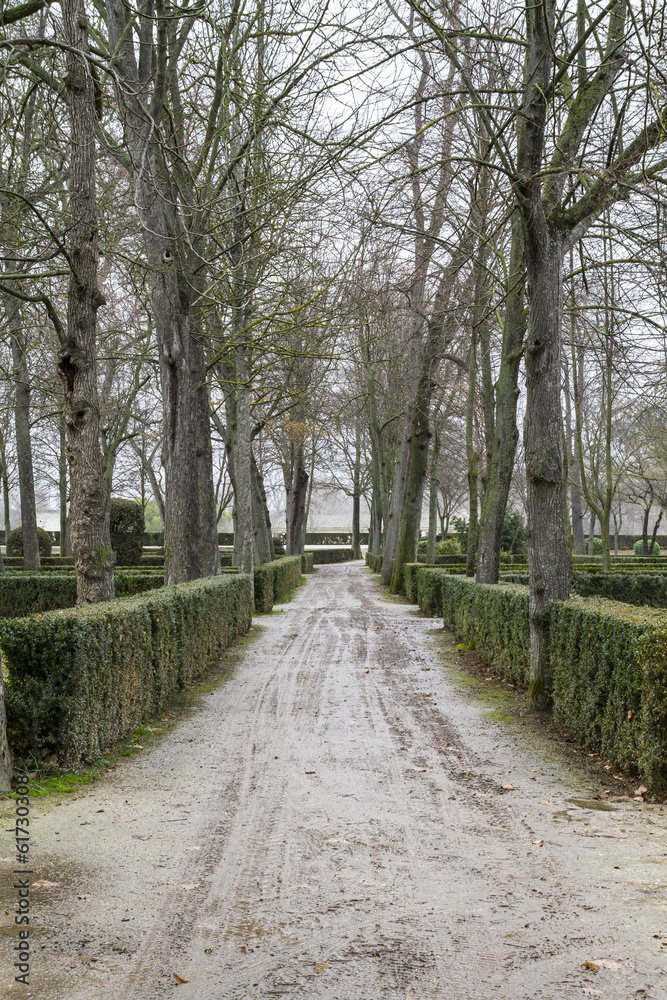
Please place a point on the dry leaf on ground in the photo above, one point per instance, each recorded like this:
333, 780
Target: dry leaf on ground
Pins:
179, 979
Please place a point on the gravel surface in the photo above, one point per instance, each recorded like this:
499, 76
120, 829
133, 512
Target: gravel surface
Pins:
343, 819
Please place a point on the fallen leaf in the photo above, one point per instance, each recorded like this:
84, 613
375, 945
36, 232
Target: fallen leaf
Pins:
336, 840
193, 848
589, 965
192, 885
591, 993
179, 979
100, 810
641, 790
321, 966
45, 882
413, 768
166, 883
608, 963
430, 694
82, 897
138, 746
508, 788
311, 772
537, 843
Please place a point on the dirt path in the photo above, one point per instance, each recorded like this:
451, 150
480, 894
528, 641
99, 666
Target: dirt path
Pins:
334, 823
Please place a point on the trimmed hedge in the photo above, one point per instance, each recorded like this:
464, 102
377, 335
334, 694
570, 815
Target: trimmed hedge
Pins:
334, 538
493, 618
126, 526
34, 593
15, 542
80, 679
307, 562
325, 556
649, 589
608, 662
374, 562
274, 580
45, 562
609, 672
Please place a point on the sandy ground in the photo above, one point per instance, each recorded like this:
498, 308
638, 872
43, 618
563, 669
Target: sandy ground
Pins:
343, 819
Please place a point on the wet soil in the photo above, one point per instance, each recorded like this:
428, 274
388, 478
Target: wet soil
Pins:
351, 816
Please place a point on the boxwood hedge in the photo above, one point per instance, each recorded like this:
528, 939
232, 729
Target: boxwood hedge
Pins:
609, 674
33, 593
323, 556
274, 580
608, 662
80, 679
307, 562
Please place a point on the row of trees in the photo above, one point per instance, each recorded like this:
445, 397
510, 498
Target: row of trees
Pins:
249, 247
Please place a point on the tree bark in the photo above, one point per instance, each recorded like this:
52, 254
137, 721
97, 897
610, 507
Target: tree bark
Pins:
433, 500
263, 538
91, 545
549, 559
406, 549
356, 495
23, 440
296, 503
65, 549
499, 472
471, 455
171, 293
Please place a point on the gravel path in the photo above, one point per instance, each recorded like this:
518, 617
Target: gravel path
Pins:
336, 822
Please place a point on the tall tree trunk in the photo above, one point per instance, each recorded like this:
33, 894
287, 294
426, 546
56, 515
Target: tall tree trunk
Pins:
406, 549
171, 292
356, 495
91, 545
296, 503
433, 500
65, 549
244, 551
655, 532
208, 521
472, 457
500, 468
263, 539
23, 441
548, 554
647, 511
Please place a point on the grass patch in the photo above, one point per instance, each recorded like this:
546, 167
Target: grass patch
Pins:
289, 596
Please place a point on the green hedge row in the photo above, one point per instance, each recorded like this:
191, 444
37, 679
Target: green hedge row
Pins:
324, 556
608, 662
647, 589
307, 562
374, 562
33, 593
493, 618
274, 580
82, 678
609, 673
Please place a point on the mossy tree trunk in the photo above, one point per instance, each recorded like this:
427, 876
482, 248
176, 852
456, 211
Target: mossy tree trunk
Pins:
91, 546
21, 378
500, 461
